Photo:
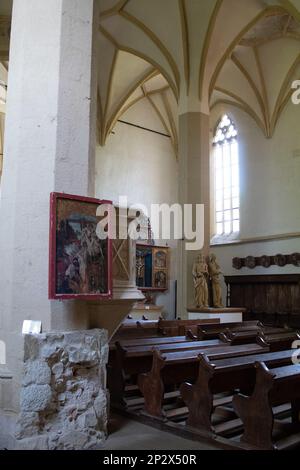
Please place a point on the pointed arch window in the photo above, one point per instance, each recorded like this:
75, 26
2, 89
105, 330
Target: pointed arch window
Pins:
226, 178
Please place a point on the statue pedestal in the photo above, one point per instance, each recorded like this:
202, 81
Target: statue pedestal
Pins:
226, 314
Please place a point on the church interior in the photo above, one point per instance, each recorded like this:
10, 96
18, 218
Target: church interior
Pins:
111, 112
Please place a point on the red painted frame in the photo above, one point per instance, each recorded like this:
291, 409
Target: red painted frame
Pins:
52, 250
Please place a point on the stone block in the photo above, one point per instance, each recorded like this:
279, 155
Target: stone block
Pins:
35, 397
37, 372
63, 393
27, 425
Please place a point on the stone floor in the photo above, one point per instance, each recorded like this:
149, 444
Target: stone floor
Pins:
126, 434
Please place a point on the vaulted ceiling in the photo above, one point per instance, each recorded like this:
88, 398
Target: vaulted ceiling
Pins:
194, 55
191, 55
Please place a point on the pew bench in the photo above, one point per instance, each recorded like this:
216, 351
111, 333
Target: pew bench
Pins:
213, 331
152, 341
223, 375
278, 341
272, 387
133, 360
247, 328
180, 327
174, 368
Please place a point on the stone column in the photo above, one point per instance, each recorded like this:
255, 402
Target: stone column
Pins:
49, 146
194, 188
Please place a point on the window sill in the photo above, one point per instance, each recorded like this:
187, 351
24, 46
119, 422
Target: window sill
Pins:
225, 240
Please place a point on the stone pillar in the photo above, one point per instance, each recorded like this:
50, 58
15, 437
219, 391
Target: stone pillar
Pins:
49, 146
194, 188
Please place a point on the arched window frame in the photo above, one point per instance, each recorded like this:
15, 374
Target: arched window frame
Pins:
226, 192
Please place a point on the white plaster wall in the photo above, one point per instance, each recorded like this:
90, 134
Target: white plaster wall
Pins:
136, 163
270, 190
142, 166
269, 173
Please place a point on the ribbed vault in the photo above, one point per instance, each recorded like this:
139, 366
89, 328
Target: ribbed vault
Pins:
191, 55
195, 55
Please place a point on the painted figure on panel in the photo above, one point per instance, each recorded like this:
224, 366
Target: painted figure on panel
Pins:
160, 280
214, 274
140, 270
200, 273
160, 259
81, 257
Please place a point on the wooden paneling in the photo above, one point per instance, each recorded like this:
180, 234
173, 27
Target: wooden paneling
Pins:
271, 298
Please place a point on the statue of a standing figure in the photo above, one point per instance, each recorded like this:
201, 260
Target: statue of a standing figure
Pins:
200, 271
214, 274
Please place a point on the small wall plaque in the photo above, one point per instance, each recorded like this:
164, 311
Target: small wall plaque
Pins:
31, 326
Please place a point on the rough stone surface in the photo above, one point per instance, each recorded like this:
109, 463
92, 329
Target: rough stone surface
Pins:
64, 400
37, 372
35, 397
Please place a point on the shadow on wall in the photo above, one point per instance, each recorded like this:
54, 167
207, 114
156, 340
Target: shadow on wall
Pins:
168, 301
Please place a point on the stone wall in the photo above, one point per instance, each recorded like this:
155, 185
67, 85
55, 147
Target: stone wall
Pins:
64, 400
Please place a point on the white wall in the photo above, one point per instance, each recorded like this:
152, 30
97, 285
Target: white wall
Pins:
137, 163
142, 166
270, 190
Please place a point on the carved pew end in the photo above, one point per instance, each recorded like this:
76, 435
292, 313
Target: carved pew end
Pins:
152, 387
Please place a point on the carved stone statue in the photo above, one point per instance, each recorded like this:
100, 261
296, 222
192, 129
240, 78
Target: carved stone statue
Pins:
214, 274
200, 271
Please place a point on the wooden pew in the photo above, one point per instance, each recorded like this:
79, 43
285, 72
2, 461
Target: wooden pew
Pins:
147, 341
210, 332
153, 341
213, 331
218, 376
273, 387
130, 329
239, 337
133, 360
178, 367
132, 323
180, 327
278, 340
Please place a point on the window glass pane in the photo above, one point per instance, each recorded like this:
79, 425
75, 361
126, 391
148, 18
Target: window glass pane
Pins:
235, 175
226, 155
235, 202
219, 216
227, 180
219, 179
234, 158
227, 215
219, 205
227, 193
227, 204
236, 214
235, 192
219, 229
227, 177
219, 195
227, 228
236, 226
